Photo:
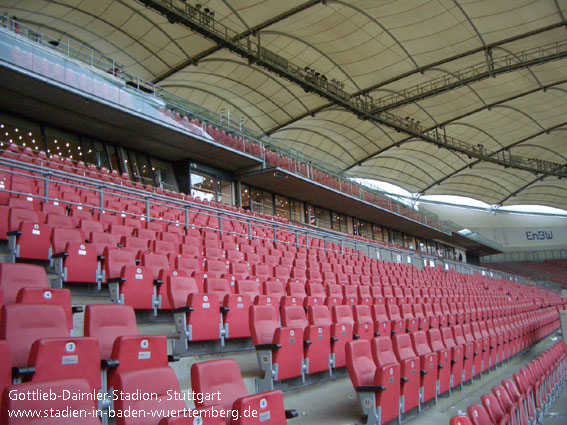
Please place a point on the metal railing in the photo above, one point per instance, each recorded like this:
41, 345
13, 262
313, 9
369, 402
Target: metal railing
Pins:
255, 227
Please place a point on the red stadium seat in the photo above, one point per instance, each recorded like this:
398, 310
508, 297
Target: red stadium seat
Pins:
280, 349
22, 324
410, 371
106, 322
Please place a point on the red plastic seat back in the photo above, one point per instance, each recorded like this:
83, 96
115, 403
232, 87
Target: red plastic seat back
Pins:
493, 407
503, 397
66, 358
403, 347
247, 287
420, 344
360, 363
383, 351
60, 237
478, 415
460, 420
218, 375
293, 316
178, 288
14, 276
319, 315
5, 366
343, 314
108, 322
138, 352
115, 259
263, 323
22, 324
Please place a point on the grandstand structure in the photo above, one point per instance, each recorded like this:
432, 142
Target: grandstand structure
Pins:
185, 237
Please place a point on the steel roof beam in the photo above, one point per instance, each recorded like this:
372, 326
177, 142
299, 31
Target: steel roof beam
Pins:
467, 114
196, 58
472, 74
361, 106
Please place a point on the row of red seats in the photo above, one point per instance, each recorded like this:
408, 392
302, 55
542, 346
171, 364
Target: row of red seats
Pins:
111, 357
527, 397
394, 375
217, 308
548, 270
214, 312
329, 269
80, 169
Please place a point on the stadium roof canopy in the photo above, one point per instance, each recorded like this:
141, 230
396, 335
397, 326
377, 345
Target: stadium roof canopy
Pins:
459, 97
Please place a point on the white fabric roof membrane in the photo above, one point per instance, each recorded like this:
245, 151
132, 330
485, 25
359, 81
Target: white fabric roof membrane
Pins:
376, 47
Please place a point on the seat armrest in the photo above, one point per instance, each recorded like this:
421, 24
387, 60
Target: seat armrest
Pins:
158, 282
109, 363
370, 388
19, 371
14, 233
182, 310
60, 255
77, 309
116, 280
291, 413
171, 358
268, 346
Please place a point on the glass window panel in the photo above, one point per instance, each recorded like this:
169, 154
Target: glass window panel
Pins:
89, 155
310, 216
245, 196
282, 206
114, 159
268, 202
203, 186
397, 238
349, 226
163, 172
20, 132
142, 168
225, 193
409, 241
430, 247
322, 217
378, 233
296, 208
336, 224
64, 144
101, 156
256, 200
365, 229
